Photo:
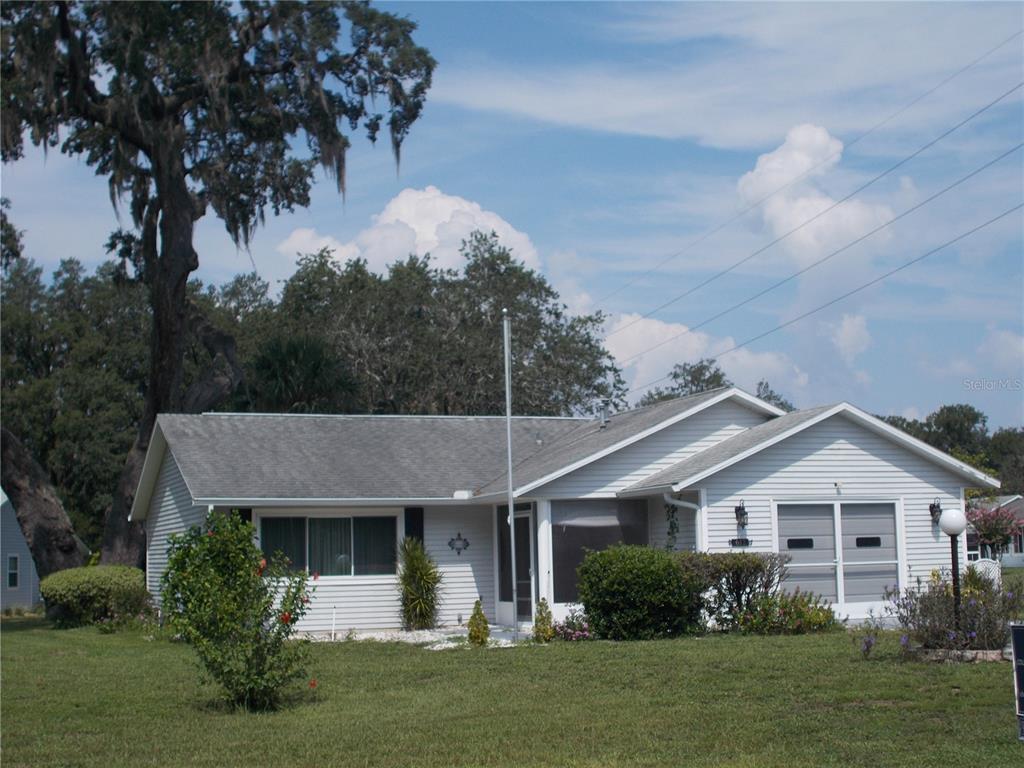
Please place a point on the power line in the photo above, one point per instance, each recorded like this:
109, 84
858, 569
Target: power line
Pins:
810, 170
846, 295
825, 258
818, 215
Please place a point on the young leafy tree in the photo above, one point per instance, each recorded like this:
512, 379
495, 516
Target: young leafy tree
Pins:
689, 379
769, 395
187, 107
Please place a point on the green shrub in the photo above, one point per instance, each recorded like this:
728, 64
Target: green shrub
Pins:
575, 627
111, 593
479, 630
735, 580
796, 613
543, 623
639, 593
419, 581
236, 610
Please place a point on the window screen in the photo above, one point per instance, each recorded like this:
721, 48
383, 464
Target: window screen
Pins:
579, 526
800, 543
286, 535
374, 545
330, 546
12, 572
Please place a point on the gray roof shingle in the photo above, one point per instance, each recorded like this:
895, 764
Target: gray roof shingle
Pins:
244, 456
727, 449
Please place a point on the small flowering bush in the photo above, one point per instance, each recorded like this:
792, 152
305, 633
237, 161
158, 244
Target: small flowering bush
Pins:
995, 527
574, 628
236, 609
543, 623
926, 614
784, 613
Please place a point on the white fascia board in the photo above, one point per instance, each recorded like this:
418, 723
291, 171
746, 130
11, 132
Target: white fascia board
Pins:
728, 394
650, 490
333, 502
148, 477
865, 419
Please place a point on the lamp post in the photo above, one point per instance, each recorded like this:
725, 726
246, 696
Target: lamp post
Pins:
953, 522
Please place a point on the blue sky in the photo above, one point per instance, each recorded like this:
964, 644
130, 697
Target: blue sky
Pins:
599, 139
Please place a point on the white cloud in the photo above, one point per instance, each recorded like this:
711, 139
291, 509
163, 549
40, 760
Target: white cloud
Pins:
420, 221
911, 412
1003, 350
743, 366
851, 337
305, 240
811, 150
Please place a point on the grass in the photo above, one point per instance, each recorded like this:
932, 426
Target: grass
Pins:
81, 698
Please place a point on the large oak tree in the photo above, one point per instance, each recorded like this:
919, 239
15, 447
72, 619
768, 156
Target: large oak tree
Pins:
190, 107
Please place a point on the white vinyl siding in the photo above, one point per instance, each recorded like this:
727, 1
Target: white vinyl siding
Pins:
170, 511
469, 576
13, 544
661, 450
809, 464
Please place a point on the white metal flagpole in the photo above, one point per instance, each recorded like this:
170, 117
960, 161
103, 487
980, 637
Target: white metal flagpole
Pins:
507, 323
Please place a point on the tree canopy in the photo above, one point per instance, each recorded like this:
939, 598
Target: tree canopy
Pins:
705, 374
186, 107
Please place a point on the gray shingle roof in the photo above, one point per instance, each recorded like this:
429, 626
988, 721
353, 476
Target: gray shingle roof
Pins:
246, 456
727, 449
589, 438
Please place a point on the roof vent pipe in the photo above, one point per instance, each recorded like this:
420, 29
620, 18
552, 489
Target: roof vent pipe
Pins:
604, 411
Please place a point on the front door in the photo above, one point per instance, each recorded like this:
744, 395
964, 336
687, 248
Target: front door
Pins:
524, 564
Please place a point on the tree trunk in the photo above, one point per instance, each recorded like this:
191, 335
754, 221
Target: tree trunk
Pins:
42, 518
124, 542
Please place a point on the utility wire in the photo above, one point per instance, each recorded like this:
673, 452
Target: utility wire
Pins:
825, 258
846, 295
821, 213
809, 171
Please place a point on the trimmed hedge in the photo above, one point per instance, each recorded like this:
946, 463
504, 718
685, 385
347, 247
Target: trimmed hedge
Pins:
79, 596
639, 593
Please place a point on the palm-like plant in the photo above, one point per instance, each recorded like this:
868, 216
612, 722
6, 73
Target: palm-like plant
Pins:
419, 580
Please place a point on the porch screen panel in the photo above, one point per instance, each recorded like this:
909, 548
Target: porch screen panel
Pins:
374, 545
868, 570
330, 546
590, 524
287, 536
807, 534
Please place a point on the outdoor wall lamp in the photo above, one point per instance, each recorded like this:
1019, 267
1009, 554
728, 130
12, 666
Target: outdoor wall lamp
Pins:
936, 509
741, 515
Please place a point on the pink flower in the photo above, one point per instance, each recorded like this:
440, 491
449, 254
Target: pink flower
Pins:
286, 618
313, 683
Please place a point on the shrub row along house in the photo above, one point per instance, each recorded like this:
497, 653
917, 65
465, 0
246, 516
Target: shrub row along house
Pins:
844, 494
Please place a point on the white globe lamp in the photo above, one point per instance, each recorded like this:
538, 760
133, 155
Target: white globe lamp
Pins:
953, 522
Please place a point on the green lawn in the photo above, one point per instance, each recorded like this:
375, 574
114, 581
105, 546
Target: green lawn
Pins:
79, 698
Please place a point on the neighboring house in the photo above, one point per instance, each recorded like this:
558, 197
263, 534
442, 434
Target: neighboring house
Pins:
1014, 555
843, 493
20, 582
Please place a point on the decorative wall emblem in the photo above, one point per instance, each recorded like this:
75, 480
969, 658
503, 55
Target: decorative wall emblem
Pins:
458, 543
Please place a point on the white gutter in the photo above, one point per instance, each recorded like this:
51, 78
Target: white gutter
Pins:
673, 502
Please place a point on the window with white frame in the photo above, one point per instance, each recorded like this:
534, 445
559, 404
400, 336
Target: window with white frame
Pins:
13, 572
333, 546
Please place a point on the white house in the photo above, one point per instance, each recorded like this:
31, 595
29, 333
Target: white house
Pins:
20, 581
845, 494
